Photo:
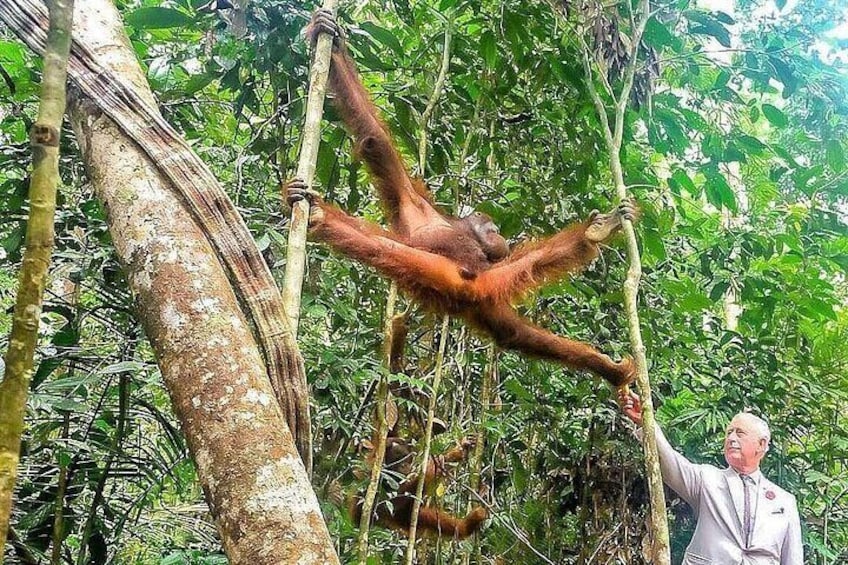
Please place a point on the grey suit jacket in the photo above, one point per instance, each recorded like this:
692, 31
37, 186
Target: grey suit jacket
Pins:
716, 496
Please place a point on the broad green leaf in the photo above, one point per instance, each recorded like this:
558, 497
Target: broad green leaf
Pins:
68, 405
516, 33
157, 18
12, 51
724, 17
489, 49
775, 116
704, 23
814, 307
728, 196
174, 559
198, 82
713, 193
834, 154
718, 290
721, 80
784, 74
683, 179
657, 35
751, 144
404, 11
719, 193
654, 244
518, 390
785, 155
67, 336
383, 36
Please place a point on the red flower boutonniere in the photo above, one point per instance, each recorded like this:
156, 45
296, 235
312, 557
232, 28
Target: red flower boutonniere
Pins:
770, 494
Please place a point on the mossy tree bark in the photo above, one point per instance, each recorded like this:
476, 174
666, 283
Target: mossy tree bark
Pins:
44, 138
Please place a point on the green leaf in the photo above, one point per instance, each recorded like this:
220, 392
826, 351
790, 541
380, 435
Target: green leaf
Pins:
13, 52
489, 49
158, 18
718, 290
12, 243
123, 367
683, 179
834, 154
785, 155
173, 559
775, 116
63, 458
817, 308
784, 73
719, 193
198, 82
724, 18
704, 23
515, 32
751, 144
653, 243
657, 35
382, 36
66, 336
713, 195
518, 390
69, 405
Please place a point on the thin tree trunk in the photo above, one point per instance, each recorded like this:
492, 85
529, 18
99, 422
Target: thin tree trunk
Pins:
437, 378
296, 250
380, 432
44, 139
476, 463
435, 95
613, 135
428, 439
59, 507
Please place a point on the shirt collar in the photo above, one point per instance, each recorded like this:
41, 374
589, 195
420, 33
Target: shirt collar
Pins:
755, 476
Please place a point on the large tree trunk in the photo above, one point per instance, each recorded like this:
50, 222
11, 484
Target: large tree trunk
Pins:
138, 116
253, 478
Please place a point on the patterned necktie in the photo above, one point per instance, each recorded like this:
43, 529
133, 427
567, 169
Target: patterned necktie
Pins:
746, 516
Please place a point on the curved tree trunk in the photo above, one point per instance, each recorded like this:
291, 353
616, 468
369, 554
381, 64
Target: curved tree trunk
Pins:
132, 107
250, 470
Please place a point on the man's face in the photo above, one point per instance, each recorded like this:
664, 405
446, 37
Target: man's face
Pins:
743, 446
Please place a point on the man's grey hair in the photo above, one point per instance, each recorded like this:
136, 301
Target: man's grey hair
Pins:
761, 426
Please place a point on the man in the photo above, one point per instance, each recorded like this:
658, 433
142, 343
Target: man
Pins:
743, 518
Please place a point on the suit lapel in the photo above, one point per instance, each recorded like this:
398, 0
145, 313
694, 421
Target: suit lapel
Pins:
737, 504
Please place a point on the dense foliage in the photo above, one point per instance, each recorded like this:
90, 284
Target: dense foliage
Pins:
734, 147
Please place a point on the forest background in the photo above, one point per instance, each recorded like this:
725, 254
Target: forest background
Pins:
734, 148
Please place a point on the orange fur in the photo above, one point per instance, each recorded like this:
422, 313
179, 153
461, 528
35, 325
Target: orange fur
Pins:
441, 260
397, 514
